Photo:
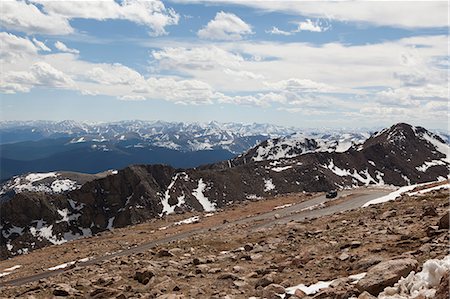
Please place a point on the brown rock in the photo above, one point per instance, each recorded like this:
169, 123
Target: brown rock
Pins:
299, 293
60, 292
164, 253
144, 275
385, 274
443, 290
264, 281
429, 211
366, 295
227, 275
278, 289
444, 221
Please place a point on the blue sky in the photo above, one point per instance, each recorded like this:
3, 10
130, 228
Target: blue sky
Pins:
296, 63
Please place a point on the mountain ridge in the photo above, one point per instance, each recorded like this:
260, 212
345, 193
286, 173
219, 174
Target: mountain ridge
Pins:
399, 156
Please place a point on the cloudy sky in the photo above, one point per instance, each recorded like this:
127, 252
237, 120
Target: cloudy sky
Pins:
297, 63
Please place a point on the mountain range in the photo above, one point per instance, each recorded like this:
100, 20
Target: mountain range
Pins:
41, 214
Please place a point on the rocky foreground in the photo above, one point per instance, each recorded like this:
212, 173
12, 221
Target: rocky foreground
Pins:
385, 241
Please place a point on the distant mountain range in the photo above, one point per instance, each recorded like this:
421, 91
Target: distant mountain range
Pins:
36, 212
43, 146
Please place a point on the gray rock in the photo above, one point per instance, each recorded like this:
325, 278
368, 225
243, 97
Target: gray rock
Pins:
385, 274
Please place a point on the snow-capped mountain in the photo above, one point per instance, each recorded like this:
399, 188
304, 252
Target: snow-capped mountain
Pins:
400, 155
234, 137
303, 143
50, 182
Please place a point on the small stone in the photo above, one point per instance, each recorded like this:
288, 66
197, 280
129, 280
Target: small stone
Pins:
60, 292
227, 275
248, 247
366, 295
164, 253
344, 256
264, 281
299, 293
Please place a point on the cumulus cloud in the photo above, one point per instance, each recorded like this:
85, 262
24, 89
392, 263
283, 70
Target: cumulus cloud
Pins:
41, 45
202, 58
309, 25
63, 48
274, 30
53, 17
225, 26
13, 48
26, 17
39, 74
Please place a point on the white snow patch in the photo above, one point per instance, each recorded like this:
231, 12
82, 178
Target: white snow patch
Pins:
110, 223
282, 207
193, 219
446, 186
64, 214
419, 285
62, 266
392, 195
12, 268
34, 177
45, 232
428, 164
280, 169
59, 186
253, 196
309, 290
443, 148
167, 208
204, 201
268, 185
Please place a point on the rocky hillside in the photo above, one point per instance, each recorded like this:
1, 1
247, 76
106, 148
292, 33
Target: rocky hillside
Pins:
362, 253
399, 155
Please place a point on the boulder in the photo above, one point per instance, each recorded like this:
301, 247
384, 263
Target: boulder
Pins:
144, 276
444, 221
385, 274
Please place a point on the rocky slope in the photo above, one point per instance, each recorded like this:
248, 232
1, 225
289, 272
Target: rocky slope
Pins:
399, 155
360, 253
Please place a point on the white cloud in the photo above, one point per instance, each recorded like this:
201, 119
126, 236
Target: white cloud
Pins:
309, 25
41, 45
26, 17
39, 74
225, 26
54, 16
201, 58
13, 48
63, 48
402, 14
274, 30
300, 85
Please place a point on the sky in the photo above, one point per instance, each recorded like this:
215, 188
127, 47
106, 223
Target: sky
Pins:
293, 63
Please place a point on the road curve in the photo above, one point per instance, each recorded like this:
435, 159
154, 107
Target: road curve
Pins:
307, 209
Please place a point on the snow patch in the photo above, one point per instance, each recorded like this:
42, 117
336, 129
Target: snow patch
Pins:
280, 169
202, 199
419, 285
268, 185
62, 266
193, 219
